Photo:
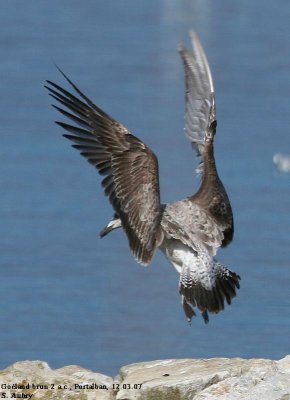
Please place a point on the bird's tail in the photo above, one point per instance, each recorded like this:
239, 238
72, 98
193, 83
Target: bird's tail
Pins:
210, 298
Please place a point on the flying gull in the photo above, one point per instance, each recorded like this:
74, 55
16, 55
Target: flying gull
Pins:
188, 231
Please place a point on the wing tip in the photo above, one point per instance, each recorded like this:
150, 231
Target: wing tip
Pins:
180, 48
194, 36
62, 73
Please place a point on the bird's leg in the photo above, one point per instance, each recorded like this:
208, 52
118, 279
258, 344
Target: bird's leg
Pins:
189, 312
204, 314
205, 317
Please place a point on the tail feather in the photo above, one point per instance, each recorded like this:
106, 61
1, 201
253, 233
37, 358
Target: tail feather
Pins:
194, 294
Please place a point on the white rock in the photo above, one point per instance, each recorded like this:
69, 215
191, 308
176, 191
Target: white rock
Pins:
185, 379
53, 384
219, 378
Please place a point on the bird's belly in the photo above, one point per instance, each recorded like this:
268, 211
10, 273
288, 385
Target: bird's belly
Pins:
199, 266
178, 253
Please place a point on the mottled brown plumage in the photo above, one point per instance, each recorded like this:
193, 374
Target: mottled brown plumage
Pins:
188, 231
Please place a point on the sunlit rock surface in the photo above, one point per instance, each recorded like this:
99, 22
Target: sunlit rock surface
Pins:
38, 380
184, 379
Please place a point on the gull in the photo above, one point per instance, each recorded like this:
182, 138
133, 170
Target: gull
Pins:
282, 162
189, 231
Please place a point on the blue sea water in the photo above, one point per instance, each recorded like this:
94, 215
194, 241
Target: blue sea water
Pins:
68, 297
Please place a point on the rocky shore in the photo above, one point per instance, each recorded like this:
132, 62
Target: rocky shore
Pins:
182, 379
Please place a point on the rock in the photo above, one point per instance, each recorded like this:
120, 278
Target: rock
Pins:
218, 378
185, 379
39, 381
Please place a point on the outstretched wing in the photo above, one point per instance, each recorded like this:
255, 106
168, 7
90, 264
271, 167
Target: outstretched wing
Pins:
130, 168
199, 98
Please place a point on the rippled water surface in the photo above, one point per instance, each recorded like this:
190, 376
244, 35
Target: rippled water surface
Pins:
68, 297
